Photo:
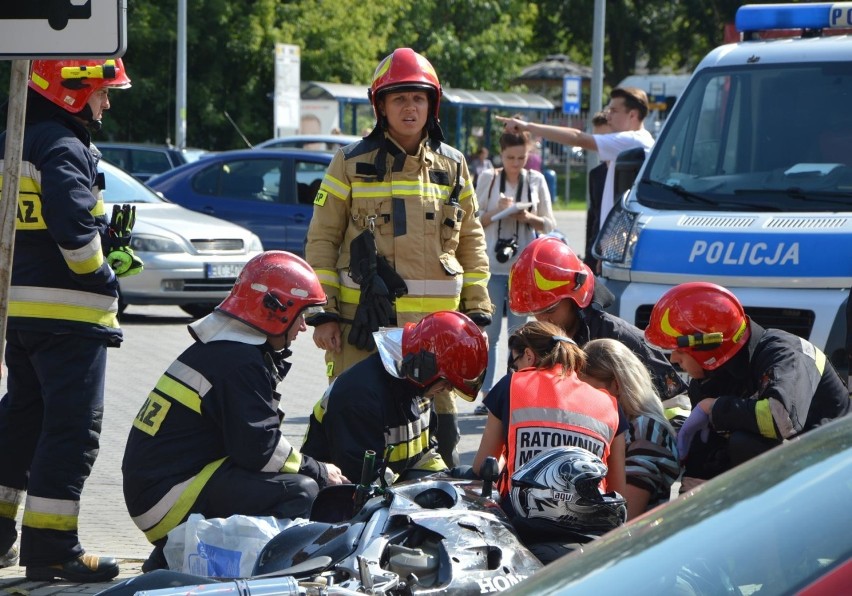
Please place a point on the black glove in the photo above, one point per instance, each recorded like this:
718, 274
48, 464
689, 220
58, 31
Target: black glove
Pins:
375, 310
119, 254
480, 318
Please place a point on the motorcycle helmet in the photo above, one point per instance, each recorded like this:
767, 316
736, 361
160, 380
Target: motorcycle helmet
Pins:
559, 489
546, 272
70, 83
703, 319
272, 290
406, 70
445, 345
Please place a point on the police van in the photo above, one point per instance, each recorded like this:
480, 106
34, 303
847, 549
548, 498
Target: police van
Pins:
749, 184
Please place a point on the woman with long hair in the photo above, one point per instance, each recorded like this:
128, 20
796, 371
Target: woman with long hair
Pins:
544, 405
651, 464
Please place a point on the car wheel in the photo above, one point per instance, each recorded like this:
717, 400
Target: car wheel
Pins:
197, 310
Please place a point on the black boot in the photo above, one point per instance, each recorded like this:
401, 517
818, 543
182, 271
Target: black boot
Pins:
156, 560
85, 569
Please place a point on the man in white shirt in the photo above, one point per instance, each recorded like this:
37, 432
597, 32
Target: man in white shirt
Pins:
626, 112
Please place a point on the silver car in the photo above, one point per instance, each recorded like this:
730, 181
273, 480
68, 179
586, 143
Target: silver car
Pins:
191, 259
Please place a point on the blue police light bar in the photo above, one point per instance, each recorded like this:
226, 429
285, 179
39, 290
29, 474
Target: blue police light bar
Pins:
763, 17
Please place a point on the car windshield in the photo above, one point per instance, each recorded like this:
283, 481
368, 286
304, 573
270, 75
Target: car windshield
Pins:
758, 138
121, 187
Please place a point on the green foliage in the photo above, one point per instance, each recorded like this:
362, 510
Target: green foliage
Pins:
473, 44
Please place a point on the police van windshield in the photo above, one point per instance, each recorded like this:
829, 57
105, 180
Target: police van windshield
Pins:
774, 137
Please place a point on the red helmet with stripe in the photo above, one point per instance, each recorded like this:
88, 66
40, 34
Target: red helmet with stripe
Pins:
405, 70
70, 83
445, 345
547, 272
272, 290
703, 319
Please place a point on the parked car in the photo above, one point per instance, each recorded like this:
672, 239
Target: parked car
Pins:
269, 191
191, 260
778, 524
311, 142
144, 161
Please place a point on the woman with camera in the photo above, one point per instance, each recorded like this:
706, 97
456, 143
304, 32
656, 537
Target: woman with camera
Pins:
514, 207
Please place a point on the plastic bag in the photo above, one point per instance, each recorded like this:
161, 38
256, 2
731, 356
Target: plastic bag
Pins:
221, 547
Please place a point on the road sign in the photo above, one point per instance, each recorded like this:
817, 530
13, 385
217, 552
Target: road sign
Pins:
31, 29
571, 87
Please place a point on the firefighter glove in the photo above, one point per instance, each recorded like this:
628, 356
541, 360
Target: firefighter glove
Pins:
121, 225
375, 310
124, 262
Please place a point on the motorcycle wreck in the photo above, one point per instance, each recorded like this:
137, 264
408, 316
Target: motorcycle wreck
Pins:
437, 534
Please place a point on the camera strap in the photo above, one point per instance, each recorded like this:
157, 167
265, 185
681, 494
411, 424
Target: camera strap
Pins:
518, 196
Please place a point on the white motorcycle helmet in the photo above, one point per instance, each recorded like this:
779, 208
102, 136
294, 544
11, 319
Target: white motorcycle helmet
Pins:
559, 490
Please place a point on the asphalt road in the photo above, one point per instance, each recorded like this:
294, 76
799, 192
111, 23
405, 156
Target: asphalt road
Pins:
154, 337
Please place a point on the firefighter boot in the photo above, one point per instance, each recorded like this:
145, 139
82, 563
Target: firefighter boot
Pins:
85, 569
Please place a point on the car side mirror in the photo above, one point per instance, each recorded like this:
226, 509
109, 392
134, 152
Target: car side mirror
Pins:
627, 166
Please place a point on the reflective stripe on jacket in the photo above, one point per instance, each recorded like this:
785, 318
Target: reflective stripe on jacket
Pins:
436, 245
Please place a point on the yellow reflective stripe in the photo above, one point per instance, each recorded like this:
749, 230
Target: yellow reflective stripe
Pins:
402, 451
674, 412
184, 503
335, 187
349, 295
65, 313
319, 410
819, 359
765, 422
99, 208
426, 304
475, 278
293, 463
407, 188
9, 510
328, 277
86, 259
180, 393
51, 514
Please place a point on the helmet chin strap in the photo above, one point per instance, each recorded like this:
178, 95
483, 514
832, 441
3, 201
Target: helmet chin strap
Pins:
89, 118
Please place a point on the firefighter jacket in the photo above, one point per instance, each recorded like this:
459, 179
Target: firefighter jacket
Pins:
422, 210
596, 323
216, 402
778, 386
550, 410
61, 282
366, 408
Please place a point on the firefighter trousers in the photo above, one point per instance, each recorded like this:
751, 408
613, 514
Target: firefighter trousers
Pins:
50, 424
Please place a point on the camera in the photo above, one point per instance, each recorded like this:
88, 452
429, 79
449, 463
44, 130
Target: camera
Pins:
506, 249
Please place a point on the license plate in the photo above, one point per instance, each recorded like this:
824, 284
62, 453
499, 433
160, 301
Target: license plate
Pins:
223, 270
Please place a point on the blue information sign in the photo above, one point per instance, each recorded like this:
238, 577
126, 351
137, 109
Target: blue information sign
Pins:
571, 87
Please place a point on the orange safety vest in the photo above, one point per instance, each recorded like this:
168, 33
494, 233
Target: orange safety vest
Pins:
548, 410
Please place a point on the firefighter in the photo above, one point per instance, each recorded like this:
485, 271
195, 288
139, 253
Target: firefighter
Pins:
394, 233
382, 403
207, 439
549, 282
751, 388
62, 317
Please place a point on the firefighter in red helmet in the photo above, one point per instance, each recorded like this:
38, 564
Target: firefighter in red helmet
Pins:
551, 283
62, 316
383, 402
217, 407
751, 388
395, 233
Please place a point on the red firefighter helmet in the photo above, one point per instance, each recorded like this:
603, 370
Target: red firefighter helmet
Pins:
70, 83
704, 319
405, 70
272, 290
445, 345
546, 272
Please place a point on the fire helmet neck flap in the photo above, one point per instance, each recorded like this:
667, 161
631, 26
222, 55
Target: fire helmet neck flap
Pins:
272, 290
703, 319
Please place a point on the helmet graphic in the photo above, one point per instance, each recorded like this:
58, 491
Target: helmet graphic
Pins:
272, 290
70, 83
445, 345
560, 488
405, 70
546, 272
702, 318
